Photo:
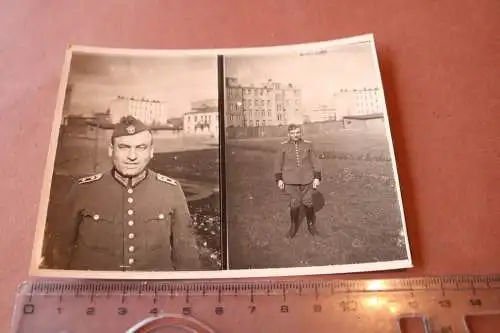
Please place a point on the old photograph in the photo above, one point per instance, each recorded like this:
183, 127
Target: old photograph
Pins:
132, 183
311, 178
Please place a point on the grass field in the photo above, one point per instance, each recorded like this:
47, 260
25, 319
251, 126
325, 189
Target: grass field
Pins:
359, 223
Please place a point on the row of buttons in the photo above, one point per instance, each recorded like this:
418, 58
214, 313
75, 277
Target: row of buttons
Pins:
130, 212
131, 235
297, 154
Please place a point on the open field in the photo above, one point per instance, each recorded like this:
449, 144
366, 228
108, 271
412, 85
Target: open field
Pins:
342, 144
359, 223
197, 170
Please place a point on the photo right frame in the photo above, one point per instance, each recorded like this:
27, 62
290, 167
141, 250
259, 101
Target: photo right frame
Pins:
312, 180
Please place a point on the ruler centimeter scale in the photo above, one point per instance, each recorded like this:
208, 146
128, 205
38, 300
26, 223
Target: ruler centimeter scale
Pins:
314, 305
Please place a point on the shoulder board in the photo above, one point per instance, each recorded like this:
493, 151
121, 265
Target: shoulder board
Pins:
90, 179
166, 179
284, 142
307, 141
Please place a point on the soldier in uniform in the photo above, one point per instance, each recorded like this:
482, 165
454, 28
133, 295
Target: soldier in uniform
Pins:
298, 173
129, 218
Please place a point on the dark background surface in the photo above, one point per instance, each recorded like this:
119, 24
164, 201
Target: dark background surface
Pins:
439, 62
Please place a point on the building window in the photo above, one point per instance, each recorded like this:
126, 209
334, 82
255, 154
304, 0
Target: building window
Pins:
263, 123
257, 123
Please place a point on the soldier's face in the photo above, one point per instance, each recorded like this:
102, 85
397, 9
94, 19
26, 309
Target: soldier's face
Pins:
131, 154
295, 134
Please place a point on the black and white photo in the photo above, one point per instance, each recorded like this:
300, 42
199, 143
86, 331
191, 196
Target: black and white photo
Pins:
133, 180
221, 163
310, 171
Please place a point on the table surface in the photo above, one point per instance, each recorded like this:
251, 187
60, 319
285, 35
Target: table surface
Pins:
439, 62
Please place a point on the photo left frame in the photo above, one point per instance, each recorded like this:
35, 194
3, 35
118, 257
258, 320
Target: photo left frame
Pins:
131, 185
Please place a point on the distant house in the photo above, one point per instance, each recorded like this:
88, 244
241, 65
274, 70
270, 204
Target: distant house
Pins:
368, 121
323, 113
203, 120
104, 120
177, 123
151, 112
77, 125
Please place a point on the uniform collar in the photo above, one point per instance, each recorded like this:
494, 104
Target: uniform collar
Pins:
129, 181
295, 142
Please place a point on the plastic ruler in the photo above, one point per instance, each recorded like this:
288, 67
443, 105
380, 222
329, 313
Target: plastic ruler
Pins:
315, 305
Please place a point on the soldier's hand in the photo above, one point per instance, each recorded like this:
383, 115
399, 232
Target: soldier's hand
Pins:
281, 185
316, 183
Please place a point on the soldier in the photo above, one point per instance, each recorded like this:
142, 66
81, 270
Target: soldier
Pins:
298, 173
129, 218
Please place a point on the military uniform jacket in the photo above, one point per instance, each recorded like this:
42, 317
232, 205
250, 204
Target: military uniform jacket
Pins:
115, 224
296, 163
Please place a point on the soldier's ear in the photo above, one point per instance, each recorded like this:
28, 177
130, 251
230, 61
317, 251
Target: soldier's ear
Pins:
110, 150
152, 152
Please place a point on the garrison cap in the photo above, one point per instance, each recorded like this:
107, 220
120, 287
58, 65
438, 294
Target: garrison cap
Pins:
128, 125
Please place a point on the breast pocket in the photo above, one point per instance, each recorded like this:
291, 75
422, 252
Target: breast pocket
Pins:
98, 231
157, 227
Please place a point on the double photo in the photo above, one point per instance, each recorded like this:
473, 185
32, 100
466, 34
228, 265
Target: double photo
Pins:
222, 163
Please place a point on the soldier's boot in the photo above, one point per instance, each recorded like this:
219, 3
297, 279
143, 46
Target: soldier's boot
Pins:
294, 222
311, 220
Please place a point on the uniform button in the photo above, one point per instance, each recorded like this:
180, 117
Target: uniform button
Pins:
131, 261
130, 223
130, 200
130, 190
96, 217
131, 249
131, 236
161, 216
130, 212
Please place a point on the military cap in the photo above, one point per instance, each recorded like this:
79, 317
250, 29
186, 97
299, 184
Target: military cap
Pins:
293, 126
128, 125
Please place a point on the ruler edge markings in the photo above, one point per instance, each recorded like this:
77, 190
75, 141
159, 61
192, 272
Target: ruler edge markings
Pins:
96, 287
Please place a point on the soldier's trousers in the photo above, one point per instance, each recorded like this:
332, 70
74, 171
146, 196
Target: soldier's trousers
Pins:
299, 195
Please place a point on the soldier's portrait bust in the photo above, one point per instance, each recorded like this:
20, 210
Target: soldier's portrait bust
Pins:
132, 178
128, 218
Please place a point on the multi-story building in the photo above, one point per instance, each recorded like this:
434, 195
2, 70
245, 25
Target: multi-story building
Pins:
322, 113
356, 102
151, 112
203, 119
268, 104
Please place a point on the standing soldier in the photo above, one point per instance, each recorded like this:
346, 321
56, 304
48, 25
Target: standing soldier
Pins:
129, 218
298, 173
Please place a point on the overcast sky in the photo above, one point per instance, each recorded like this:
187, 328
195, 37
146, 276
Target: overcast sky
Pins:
178, 81
181, 80
319, 76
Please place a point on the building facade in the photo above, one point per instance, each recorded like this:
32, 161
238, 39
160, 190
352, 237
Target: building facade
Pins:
359, 101
202, 120
322, 113
268, 104
151, 112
